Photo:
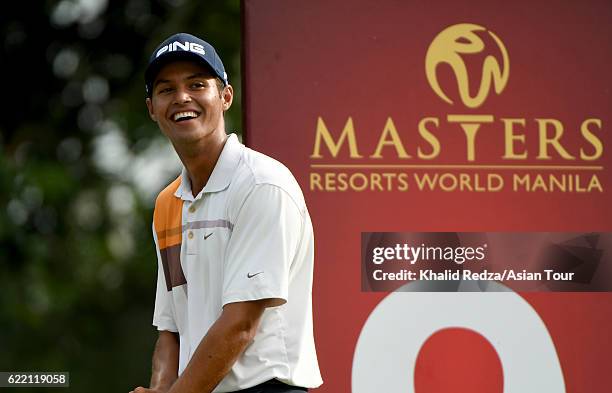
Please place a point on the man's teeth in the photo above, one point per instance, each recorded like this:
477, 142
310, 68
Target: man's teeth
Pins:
185, 115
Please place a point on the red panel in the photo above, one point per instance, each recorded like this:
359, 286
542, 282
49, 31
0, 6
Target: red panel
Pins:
366, 60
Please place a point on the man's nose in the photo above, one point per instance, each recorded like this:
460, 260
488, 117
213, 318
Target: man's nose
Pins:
182, 96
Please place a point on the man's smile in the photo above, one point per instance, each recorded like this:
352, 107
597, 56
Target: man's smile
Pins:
184, 115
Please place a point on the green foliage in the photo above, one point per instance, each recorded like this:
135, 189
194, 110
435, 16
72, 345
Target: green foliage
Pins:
80, 167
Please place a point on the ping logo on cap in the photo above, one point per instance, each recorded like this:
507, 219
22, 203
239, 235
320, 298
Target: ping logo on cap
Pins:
177, 45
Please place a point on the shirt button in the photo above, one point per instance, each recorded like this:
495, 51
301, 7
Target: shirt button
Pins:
191, 209
190, 235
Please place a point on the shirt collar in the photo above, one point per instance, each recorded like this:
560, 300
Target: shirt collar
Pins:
222, 174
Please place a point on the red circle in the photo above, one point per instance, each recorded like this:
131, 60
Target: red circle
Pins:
458, 360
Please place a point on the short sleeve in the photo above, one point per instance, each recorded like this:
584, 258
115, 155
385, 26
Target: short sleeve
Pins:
163, 315
263, 244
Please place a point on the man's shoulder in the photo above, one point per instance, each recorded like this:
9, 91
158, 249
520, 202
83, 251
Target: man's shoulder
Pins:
258, 169
167, 194
264, 169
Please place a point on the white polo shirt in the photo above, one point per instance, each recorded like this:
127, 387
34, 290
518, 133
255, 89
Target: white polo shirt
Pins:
246, 236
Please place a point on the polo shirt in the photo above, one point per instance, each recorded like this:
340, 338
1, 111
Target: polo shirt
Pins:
246, 236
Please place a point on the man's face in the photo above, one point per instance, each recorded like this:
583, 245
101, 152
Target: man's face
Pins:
186, 102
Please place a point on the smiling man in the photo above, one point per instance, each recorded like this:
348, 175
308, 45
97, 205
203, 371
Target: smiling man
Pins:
234, 244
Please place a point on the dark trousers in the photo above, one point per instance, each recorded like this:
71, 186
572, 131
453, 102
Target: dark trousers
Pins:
274, 386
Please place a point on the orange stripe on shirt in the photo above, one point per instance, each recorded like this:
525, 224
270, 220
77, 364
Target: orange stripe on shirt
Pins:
167, 220
167, 216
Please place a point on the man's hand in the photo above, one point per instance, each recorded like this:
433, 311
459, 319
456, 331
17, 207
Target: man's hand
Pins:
140, 389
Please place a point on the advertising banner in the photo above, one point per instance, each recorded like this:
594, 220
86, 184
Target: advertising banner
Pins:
453, 156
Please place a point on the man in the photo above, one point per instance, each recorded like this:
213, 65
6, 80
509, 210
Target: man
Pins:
234, 244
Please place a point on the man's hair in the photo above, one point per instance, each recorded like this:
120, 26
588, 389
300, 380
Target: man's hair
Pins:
220, 86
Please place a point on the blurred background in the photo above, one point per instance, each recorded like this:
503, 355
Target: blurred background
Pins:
81, 164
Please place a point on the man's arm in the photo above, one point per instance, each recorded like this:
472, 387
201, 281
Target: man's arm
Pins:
225, 341
165, 363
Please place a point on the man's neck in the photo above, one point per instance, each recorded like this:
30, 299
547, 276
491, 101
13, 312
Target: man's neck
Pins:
200, 160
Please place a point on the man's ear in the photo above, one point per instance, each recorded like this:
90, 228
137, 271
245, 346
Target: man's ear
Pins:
228, 97
150, 108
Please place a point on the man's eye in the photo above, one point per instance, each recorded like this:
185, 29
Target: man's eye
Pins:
165, 90
198, 85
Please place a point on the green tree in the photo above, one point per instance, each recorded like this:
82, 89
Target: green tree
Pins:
80, 167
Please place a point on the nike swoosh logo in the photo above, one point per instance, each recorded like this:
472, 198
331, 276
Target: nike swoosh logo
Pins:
207, 236
249, 275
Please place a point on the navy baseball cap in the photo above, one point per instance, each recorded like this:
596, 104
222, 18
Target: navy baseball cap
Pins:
183, 46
